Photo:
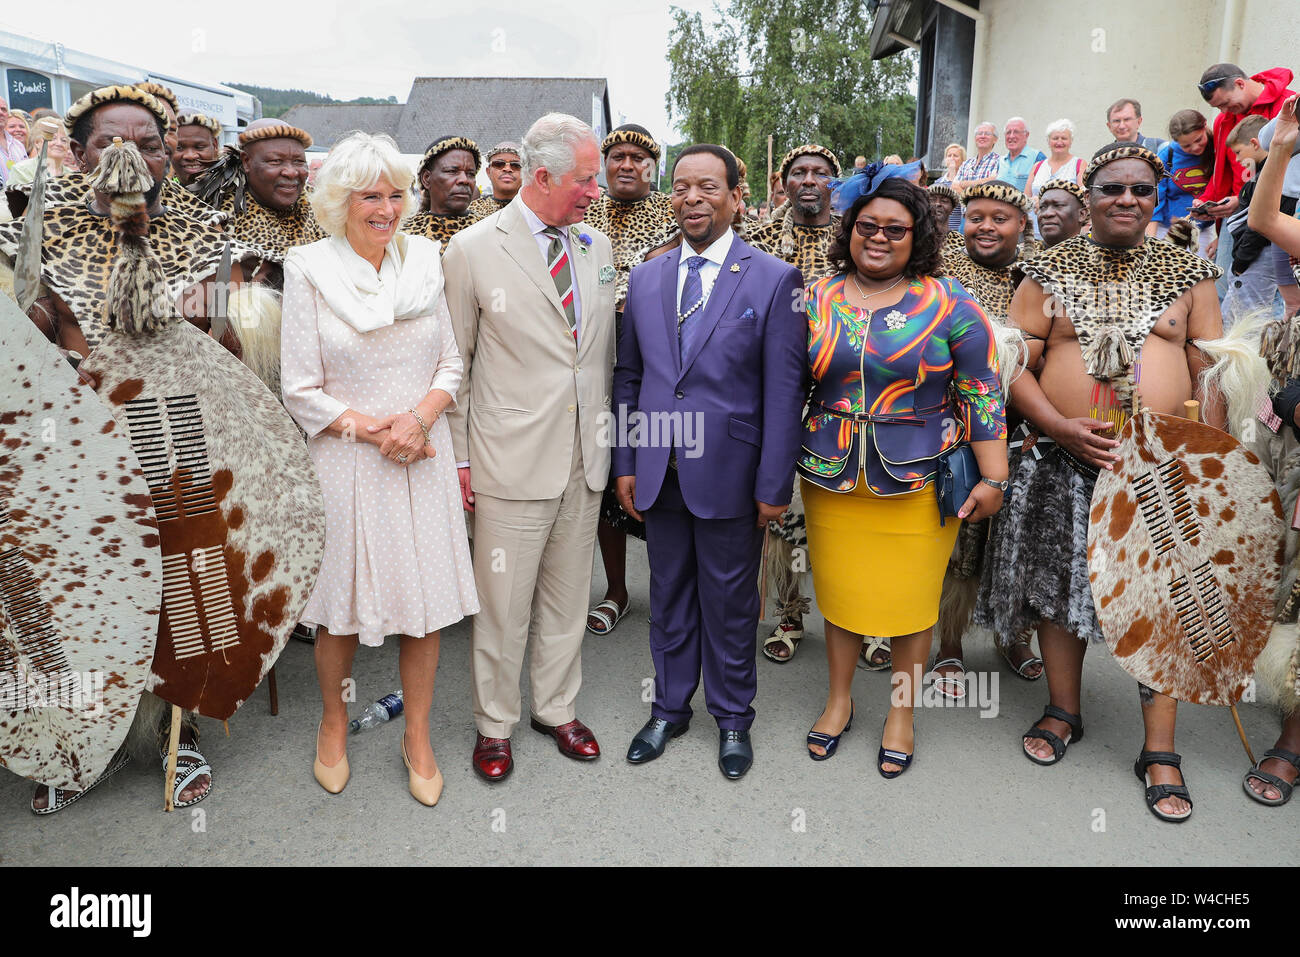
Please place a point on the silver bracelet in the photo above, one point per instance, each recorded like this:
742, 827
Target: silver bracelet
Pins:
423, 428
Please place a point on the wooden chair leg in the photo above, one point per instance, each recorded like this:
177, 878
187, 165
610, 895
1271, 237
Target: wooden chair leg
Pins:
270, 686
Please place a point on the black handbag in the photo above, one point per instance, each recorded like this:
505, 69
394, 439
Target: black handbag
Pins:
955, 477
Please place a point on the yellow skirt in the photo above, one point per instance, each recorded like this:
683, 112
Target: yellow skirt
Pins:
877, 563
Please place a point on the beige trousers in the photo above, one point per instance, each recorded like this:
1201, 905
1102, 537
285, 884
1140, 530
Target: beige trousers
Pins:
532, 565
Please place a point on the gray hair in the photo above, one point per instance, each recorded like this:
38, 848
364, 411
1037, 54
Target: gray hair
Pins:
551, 142
1017, 119
992, 126
357, 162
1060, 126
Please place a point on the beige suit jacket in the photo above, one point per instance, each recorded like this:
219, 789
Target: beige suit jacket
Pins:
526, 381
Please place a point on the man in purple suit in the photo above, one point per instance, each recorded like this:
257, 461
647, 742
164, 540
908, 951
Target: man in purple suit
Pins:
708, 387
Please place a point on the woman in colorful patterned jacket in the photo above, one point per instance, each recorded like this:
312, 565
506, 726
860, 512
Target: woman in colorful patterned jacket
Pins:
904, 368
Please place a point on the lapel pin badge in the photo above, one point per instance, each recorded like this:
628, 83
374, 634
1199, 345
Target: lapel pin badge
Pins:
735, 267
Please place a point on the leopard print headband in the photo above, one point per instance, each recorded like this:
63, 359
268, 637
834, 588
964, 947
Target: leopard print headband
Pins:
1000, 191
1125, 151
506, 147
438, 147
276, 132
808, 149
209, 123
1071, 187
160, 92
114, 94
632, 138
946, 191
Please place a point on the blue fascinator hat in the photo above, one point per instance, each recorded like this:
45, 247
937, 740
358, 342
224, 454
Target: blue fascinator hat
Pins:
845, 192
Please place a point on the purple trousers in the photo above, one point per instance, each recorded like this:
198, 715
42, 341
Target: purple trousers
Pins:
704, 608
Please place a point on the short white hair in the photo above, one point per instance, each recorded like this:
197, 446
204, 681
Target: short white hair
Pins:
1060, 126
1017, 119
551, 143
991, 126
357, 162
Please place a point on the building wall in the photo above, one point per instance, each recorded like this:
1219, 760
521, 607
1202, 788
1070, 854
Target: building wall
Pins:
1047, 59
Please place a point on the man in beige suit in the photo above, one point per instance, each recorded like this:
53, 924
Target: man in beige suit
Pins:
531, 293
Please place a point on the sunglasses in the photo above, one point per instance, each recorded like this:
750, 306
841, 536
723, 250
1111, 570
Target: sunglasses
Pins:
1209, 86
1117, 189
503, 164
893, 232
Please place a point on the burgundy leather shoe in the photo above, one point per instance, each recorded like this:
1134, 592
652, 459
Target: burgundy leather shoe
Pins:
492, 758
574, 739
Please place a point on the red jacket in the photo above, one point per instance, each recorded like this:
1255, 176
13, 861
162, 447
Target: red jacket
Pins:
1226, 179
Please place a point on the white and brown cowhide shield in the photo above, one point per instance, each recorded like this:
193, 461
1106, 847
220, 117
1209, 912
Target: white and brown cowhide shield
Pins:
1185, 552
239, 509
80, 571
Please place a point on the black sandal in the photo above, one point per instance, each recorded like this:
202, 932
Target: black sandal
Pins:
1058, 746
1158, 792
1272, 780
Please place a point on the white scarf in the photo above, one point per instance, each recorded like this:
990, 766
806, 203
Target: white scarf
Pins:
407, 285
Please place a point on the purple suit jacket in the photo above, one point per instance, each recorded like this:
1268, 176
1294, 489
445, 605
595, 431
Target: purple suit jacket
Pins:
742, 387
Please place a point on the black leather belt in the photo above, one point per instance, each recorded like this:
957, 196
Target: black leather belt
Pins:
1046, 446
872, 416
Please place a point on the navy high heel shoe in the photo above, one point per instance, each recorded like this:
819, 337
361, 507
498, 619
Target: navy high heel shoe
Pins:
904, 761
828, 741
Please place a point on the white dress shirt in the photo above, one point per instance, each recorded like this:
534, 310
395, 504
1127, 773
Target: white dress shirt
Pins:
544, 244
715, 254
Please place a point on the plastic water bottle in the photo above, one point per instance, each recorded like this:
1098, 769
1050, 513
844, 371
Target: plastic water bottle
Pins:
385, 709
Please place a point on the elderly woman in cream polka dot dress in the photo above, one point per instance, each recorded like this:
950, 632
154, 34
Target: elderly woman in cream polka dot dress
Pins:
370, 365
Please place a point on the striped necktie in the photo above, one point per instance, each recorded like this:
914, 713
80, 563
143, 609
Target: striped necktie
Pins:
557, 261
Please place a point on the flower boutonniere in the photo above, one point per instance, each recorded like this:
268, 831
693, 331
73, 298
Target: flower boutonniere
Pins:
581, 238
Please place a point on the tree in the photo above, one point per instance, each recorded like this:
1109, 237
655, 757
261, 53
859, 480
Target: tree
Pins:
799, 70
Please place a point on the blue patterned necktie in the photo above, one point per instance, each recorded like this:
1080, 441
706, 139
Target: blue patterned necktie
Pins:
691, 306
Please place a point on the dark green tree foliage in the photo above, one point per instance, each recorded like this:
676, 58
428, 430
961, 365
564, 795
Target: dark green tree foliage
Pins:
797, 69
277, 102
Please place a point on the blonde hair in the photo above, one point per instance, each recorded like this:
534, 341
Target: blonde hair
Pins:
893, 159
20, 115
961, 152
357, 162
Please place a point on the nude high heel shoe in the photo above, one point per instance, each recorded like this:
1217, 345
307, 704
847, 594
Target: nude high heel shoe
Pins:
425, 790
333, 779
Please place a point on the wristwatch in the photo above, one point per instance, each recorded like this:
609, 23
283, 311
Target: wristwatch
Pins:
1000, 486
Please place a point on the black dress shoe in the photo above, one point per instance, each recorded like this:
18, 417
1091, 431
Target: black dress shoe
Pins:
735, 754
650, 741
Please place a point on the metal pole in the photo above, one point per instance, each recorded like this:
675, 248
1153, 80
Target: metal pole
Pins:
769, 171
977, 60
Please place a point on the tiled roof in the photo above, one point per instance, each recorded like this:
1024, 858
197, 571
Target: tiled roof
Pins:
486, 109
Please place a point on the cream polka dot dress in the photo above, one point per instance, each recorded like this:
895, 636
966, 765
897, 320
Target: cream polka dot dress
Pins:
396, 554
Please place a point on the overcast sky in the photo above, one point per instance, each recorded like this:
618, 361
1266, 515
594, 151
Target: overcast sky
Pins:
375, 48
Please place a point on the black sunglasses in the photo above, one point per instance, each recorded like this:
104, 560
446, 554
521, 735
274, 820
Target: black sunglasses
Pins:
893, 232
1117, 189
503, 164
1209, 86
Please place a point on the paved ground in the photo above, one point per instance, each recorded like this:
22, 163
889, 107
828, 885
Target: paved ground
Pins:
970, 798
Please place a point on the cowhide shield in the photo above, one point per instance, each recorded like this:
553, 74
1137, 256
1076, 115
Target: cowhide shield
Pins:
1185, 550
239, 509
80, 571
